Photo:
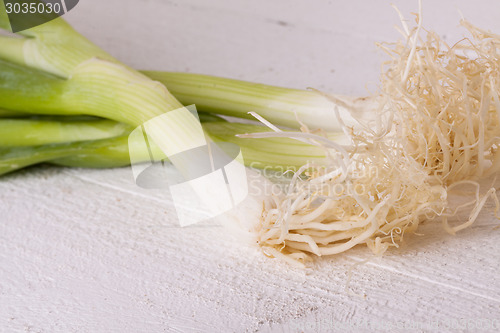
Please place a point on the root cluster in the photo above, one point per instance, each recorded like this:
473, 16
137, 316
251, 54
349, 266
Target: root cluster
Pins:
437, 129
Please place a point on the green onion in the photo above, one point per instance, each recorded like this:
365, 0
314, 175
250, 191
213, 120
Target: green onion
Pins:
280, 106
76, 77
87, 80
43, 130
279, 154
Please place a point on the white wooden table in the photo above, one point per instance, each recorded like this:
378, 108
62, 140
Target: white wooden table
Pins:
88, 251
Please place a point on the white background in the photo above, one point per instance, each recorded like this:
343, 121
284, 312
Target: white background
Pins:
87, 251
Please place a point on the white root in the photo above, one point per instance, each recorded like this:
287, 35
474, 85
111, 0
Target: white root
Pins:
439, 127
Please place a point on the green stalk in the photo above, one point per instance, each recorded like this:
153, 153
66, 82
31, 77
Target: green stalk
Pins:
34, 132
272, 153
10, 114
12, 159
281, 106
103, 154
96, 88
45, 130
106, 153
